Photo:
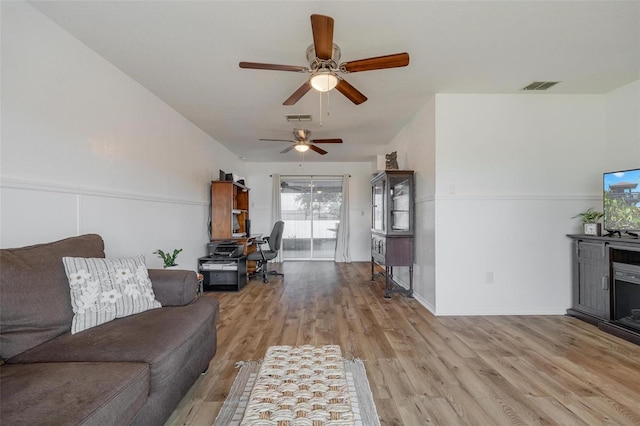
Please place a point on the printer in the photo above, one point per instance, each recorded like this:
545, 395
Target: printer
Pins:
225, 249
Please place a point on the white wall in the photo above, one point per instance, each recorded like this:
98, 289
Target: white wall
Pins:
507, 174
416, 147
511, 172
86, 149
622, 128
258, 174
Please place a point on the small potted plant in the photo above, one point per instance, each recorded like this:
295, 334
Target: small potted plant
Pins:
590, 218
168, 259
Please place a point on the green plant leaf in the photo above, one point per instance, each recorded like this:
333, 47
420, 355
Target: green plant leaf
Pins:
168, 259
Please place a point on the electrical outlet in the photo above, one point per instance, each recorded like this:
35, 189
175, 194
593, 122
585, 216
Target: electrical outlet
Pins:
488, 277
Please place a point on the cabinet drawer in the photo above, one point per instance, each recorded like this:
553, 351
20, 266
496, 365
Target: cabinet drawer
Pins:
378, 245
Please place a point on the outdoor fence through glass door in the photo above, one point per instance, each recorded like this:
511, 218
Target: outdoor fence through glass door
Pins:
311, 211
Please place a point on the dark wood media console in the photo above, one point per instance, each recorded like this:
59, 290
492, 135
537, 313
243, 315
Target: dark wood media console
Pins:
606, 284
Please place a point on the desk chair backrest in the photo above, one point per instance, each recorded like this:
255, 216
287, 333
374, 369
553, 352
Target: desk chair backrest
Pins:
275, 239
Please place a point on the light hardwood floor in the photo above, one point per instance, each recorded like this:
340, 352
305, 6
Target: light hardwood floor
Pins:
479, 370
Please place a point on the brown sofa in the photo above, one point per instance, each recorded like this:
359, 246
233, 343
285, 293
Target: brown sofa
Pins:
132, 370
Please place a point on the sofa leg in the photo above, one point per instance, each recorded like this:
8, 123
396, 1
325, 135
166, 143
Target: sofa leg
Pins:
205, 371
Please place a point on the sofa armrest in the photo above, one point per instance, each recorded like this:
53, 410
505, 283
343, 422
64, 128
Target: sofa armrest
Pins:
174, 287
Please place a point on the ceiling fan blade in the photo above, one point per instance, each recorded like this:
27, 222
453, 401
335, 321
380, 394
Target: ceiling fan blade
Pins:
298, 94
317, 149
322, 27
287, 149
350, 92
277, 140
327, 141
377, 63
274, 67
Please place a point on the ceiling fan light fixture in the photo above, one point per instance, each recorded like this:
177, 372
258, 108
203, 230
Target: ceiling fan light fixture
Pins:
302, 147
324, 81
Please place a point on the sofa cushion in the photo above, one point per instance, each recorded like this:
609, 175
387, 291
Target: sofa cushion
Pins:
34, 291
83, 393
105, 289
164, 338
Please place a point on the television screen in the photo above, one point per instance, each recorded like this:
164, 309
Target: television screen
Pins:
622, 200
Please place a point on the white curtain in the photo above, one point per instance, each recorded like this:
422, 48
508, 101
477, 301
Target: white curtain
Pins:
276, 209
342, 243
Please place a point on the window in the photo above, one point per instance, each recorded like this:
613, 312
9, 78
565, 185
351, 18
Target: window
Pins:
311, 210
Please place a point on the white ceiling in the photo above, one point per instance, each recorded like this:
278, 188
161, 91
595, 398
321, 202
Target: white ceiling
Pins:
187, 53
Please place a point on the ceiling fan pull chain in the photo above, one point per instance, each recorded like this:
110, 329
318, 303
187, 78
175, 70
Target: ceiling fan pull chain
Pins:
328, 109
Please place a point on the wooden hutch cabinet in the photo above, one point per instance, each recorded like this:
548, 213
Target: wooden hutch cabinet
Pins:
229, 213
392, 225
229, 209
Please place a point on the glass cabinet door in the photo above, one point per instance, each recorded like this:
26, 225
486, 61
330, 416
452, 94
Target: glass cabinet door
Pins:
400, 204
378, 205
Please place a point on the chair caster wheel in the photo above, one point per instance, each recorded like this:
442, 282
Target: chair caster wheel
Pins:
266, 281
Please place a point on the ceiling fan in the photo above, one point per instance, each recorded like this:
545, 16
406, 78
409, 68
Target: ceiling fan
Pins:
302, 142
324, 56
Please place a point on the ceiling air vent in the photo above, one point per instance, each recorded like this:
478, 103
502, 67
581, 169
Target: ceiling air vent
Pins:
540, 85
298, 117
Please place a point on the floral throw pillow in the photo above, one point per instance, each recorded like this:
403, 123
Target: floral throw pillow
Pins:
105, 289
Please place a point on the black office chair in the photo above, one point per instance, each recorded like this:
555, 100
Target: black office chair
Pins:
262, 257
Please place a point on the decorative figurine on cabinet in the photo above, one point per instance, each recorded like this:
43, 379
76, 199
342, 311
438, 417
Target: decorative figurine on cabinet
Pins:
391, 161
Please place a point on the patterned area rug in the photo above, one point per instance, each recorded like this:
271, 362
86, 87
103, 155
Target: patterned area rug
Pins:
296, 386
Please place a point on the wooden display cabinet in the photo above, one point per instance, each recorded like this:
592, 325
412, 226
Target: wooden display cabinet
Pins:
392, 229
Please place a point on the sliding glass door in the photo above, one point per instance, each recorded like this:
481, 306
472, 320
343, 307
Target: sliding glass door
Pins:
311, 212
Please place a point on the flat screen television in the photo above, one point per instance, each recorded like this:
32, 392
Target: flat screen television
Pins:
622, 201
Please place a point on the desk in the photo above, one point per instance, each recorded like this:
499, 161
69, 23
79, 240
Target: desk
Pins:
223, 273
248, 247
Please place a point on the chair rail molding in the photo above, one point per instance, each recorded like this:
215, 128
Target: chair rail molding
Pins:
28, 185
519, 197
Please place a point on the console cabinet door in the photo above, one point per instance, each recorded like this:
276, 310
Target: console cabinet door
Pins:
591, 278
